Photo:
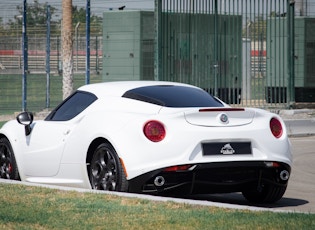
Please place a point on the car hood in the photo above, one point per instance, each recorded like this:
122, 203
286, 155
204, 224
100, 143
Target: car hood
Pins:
219, 117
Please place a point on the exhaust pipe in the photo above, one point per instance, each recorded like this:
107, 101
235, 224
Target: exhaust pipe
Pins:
284, 175
159, 181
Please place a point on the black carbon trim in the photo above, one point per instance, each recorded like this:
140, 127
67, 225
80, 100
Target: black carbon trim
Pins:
210, 178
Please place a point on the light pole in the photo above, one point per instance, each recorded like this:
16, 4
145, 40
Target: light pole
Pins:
77, 44
48, 57
87, 62
25, 58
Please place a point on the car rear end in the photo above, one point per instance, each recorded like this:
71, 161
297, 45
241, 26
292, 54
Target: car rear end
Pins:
195, 143
210, 150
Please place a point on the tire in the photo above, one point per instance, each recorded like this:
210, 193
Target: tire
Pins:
8, 166
106, 171
268, 194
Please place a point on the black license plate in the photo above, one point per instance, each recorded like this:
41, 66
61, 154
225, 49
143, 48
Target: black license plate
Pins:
226, 148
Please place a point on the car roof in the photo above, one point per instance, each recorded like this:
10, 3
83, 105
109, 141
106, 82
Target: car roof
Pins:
118, 88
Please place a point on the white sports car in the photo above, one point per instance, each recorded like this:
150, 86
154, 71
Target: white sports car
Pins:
150, 137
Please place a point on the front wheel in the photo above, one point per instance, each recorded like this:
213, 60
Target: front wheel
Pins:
8, 166
106, 171
266, 194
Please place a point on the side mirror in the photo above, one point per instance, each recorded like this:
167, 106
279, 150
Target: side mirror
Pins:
26, 119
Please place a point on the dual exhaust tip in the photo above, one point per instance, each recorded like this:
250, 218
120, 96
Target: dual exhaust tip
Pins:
284, 175
159, 181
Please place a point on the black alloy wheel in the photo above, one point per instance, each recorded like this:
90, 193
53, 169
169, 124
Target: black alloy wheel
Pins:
106, 171
8, 166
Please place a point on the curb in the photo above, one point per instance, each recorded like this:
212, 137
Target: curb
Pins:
155, 198
300, 127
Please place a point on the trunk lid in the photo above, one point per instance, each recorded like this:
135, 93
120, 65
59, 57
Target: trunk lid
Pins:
219, 117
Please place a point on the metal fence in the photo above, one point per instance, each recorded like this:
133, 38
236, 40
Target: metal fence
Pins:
11, 60
248, 52
38, 39
251, 52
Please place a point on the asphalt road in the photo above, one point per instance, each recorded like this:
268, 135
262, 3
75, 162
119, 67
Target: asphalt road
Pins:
300, 194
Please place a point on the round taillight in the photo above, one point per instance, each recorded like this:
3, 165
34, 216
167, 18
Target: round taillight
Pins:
276, 127
154, 131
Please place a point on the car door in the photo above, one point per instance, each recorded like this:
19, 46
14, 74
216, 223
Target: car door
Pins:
43, 147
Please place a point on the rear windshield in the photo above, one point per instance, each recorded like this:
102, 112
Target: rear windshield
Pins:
173, 96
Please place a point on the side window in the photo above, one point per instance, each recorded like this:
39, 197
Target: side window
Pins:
72, 106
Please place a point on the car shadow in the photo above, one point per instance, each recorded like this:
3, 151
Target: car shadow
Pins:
238, 199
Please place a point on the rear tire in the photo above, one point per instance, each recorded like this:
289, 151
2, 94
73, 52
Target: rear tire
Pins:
106, 171
267, 194
8, 165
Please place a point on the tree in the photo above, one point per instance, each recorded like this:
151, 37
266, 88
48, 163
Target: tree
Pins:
36, 13
79, 16
67, 56
36, 20
36, 17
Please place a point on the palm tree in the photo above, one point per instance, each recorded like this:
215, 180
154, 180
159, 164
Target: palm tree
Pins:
67, 56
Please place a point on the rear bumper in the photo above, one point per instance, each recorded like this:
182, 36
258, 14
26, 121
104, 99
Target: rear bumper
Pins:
212, 178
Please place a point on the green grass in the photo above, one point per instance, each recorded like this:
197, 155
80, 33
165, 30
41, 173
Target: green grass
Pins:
11, 91
1, 123
28, 207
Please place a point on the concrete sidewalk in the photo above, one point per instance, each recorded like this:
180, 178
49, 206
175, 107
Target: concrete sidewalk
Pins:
301, 127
